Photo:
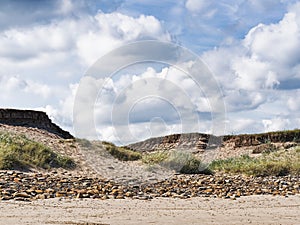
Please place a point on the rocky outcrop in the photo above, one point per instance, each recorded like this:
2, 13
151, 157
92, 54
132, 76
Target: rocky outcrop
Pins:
197, 142
191, 141
31, 118
264, 138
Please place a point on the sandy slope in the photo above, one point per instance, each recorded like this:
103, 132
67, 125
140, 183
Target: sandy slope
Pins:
252, 209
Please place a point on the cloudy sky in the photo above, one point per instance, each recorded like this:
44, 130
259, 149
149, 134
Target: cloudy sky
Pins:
250, 47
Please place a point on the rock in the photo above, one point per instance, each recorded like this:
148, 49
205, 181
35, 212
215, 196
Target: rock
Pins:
21, 195
179, 186
40, 196
39, 191
104, 197
129, 194
60, 194
49, 190
31, 118
21, 199
6, 197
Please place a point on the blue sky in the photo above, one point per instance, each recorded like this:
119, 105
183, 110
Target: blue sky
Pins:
251, 47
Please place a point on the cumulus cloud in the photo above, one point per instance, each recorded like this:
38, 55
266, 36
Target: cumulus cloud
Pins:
276, 124
113, 29
47, 64
27, 92
251, 73
255, 71
41, 64
278, 43
142, 105
12, 84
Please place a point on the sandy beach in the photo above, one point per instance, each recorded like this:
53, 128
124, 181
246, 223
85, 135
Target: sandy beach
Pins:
245, 210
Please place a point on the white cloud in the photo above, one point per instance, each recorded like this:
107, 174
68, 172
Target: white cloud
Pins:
293, 101
278, 43
23, 44
258, 75
241, 125
66, 6
77, 42
252, 74
143, 105
196, 6
276, 124
48, 57
12, 84
41, 64
38, 89
112, 30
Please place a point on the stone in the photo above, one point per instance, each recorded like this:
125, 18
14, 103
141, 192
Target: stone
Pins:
21, 195
21, 199
6, 197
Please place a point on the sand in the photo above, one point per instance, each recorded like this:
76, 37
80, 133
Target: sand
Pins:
246, 210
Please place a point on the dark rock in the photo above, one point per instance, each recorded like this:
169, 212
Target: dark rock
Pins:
31, 118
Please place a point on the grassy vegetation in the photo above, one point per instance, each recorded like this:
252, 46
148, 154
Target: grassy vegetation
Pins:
18, 152
84, 143
182, 162
278, 163
122, 153
284, 136
155, 157
273, 162
185, 162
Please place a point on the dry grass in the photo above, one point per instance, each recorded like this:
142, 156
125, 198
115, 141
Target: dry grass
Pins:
18, 152
155, 157
277, 163
122, 153
180, 161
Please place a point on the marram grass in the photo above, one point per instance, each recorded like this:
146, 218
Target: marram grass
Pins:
18, 152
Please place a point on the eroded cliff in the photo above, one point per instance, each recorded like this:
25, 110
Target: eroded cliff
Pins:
31, 118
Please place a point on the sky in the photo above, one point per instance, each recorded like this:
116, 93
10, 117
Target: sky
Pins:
251, 49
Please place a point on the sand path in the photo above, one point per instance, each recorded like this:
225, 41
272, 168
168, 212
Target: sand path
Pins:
246, 210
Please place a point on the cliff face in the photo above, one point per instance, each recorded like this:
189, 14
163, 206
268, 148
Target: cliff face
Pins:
197, 142
31, 118
265, 138
190, 141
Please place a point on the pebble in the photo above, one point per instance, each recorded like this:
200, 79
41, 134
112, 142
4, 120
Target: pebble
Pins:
31, 186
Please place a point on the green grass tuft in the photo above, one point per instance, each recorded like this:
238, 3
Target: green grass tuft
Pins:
278, 163
155, 157
18, 152
122, 153
179, 161
185, 163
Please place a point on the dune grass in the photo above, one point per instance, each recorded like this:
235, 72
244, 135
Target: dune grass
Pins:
155, 157
180, 161
279, 163
122, 153
18, 152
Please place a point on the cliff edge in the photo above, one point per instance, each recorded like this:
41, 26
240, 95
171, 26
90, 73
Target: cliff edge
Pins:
32, 118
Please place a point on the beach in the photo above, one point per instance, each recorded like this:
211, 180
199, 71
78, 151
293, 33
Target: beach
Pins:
255, 209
